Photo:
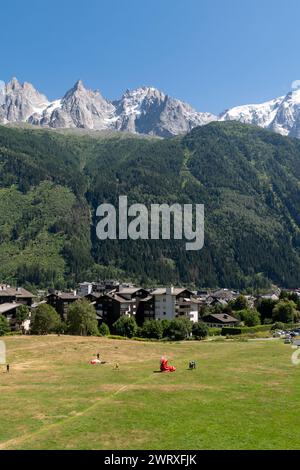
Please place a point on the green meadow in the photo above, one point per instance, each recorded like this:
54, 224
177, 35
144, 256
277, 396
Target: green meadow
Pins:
242, 395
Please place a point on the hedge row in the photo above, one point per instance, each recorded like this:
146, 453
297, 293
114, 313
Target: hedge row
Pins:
250, 329
214, 331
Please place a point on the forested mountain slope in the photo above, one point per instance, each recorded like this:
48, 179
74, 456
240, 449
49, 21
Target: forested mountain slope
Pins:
51, 184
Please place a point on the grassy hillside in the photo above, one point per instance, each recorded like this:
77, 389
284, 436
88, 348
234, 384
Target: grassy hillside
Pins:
248, 178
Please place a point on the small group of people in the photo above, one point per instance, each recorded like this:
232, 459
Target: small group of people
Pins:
165, 367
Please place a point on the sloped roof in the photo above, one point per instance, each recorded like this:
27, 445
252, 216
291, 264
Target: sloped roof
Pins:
19, 292
221, 317
4, 308
116, 297
150, 297
129, 290
176, 291
65, 295
120, 299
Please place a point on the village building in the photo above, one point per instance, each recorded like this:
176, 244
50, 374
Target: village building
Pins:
145, 310
85, 288
173, 302
220, 297
10, 294
110, 307
220, 320
9, 311
124, 300
104, 287
61, 301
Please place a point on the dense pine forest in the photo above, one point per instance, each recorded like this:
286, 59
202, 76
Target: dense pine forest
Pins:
52, 182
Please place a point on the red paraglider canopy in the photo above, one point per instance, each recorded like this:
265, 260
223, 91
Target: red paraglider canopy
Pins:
164, 366
95, 361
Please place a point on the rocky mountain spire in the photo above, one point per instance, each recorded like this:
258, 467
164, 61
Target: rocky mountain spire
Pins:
144, 110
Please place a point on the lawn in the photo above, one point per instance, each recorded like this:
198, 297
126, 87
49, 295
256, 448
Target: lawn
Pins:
243, 395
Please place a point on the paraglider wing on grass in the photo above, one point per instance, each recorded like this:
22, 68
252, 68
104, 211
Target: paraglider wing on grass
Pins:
164, 366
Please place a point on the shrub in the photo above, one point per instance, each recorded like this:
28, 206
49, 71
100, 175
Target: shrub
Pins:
250, 317
125, 326
23, 314
62, 328
4, 326
152, 329
138, 338
265, 308
245, 330
117, 337
200, 330
240, 303
45, 320
82, 319
165, 325
214, 331
285, 311
179, 329
104, 329
139, 332
231, 331
277, 326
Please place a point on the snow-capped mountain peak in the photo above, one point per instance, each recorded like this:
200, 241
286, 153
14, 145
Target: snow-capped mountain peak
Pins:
144, 110
259, 114
148, 110
282, 115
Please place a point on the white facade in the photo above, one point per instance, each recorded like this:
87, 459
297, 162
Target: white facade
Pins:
85, 288
164, 305
170, 304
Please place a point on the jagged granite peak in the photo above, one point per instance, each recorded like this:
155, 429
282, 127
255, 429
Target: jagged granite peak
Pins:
13, 84
79, 108
147, 110
19, 101
144, 110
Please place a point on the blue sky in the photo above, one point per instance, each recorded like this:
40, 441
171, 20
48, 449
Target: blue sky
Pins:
213, 54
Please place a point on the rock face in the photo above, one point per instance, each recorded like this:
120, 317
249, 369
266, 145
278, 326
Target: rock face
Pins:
286, 121
80, 108
149, 111
144, 110
18, 102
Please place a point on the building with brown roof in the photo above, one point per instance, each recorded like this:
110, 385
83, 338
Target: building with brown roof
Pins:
61, 301
15, 294
9, 311
220, 320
